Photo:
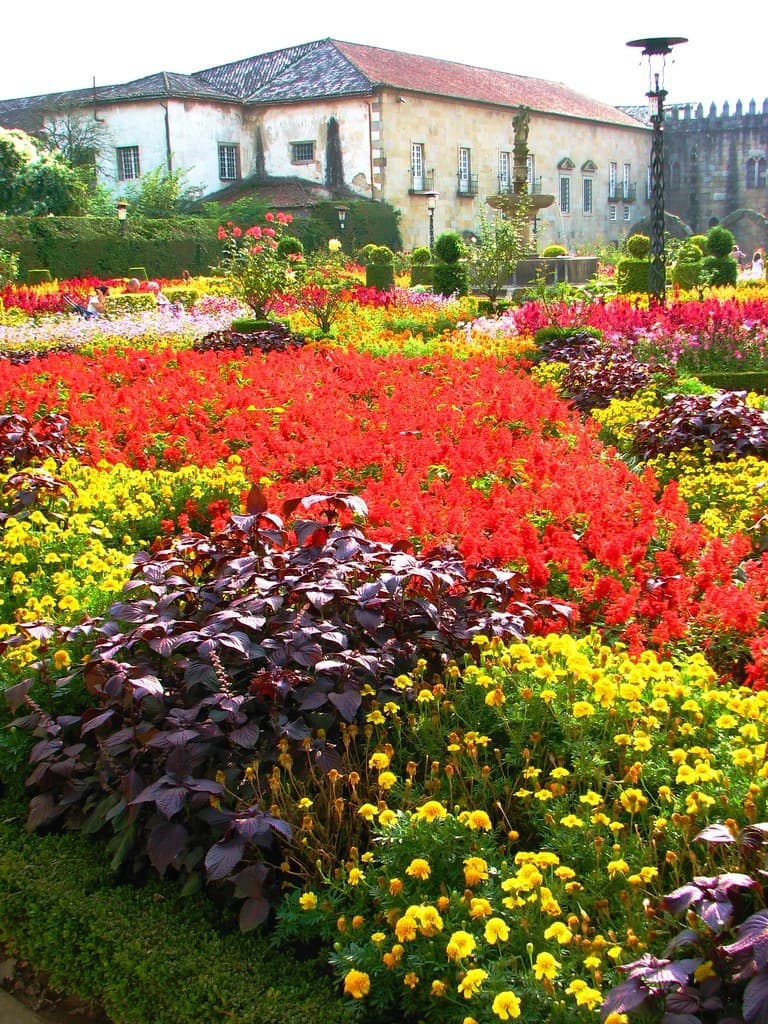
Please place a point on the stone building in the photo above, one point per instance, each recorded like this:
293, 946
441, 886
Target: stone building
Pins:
715, 169
379, 124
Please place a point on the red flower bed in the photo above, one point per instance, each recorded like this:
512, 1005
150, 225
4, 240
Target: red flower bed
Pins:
442, 451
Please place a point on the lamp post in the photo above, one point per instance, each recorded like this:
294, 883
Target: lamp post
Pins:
431, 207
656, 50
341, 213
122, 214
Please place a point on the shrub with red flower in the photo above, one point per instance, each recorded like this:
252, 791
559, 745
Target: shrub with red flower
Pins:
252, 261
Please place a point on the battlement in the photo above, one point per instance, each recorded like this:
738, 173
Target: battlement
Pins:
680, 113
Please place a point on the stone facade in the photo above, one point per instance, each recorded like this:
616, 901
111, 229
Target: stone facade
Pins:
715, 169
378, 124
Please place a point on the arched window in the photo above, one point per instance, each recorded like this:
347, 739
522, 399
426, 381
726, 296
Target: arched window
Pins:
674, 175
756, 168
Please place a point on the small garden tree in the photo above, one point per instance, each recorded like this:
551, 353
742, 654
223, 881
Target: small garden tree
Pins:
501, 244
252, 262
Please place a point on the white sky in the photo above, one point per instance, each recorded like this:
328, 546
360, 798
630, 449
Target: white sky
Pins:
53, 45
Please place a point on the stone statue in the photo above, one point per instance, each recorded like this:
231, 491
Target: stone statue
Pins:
520, 122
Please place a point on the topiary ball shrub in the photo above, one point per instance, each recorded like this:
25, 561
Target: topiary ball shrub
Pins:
450, 247
421, 256
701, 242
380, 271
719, 242
554, 250
364, 254
290, 246
381, 255
638, 246
686, 273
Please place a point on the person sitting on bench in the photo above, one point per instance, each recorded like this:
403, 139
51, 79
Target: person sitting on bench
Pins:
96, 305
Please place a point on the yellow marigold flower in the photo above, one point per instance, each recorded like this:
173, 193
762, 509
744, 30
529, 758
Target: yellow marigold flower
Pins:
479, 908
617, 867
478, 820
405, 928
704, 971
387, 779
496, 930
357, 921
411, 979
357, 984
616, 1018
308, 901
495, 698
418, 868
424, 696
438, 989
460, 945
375, 717
475, 871
379, 761
614, 953
585, 996
431, 811
395, 886
506, 1006
572, 821
472, 982
355, 876
582, 709
387, 818
560, 932
565, 873
633, 801
368, 811
545, 966
377, 938
592, 963
559, 773
591, 798
742, 758
61, 659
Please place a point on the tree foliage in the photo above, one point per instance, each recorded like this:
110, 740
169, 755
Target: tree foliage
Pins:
501, 244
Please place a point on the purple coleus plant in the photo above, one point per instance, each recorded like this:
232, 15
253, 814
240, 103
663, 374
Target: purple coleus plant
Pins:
715, 971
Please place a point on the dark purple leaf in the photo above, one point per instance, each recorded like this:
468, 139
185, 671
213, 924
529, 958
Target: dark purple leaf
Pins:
146, 685
250, 881
246, 736
346, 703
170, 800
625, 997
42, 810
253, 912
755, 1004
95, 720
716, 834
166, 842
752, 938
223, 857
15, 694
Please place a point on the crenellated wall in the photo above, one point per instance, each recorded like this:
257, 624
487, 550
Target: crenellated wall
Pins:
716, 168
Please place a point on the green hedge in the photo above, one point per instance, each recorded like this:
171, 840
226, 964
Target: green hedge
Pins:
632, 275
380, 275
147, 955
422, 273
736, 380
83, 246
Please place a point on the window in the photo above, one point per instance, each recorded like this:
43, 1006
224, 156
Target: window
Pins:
625, 181
626, 211
756, 172
417, 166
612, 212
587, 195
465, 169
128, 163
531, 175
674, 175
229, 162
613, 171
302, 152
565, 194
504, 178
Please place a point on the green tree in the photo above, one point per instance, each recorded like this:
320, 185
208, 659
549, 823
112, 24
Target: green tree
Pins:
34, 180
160, 193
501, 244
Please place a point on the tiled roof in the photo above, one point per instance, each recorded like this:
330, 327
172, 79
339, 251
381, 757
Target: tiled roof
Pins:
26, 112
428, 75
278, 193
297, 72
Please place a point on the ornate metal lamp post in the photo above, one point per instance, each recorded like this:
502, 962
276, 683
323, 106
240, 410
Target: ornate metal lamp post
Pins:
656, 50
432, 206
122, 214
341, 213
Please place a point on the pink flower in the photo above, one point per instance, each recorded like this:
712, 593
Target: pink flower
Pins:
222, 234
269, 216
254, 232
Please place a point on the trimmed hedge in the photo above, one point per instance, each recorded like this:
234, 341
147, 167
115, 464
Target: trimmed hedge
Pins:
82, 246
632, 275
735, 380
148, 955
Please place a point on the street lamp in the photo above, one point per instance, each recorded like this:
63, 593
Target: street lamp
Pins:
341, 213
122, 214
656, 50
431, 206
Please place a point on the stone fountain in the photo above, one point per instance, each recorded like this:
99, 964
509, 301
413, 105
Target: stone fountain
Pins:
572, 269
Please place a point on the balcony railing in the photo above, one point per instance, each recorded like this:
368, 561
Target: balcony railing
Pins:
422, 182
507, 185
622, 192
467, 185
